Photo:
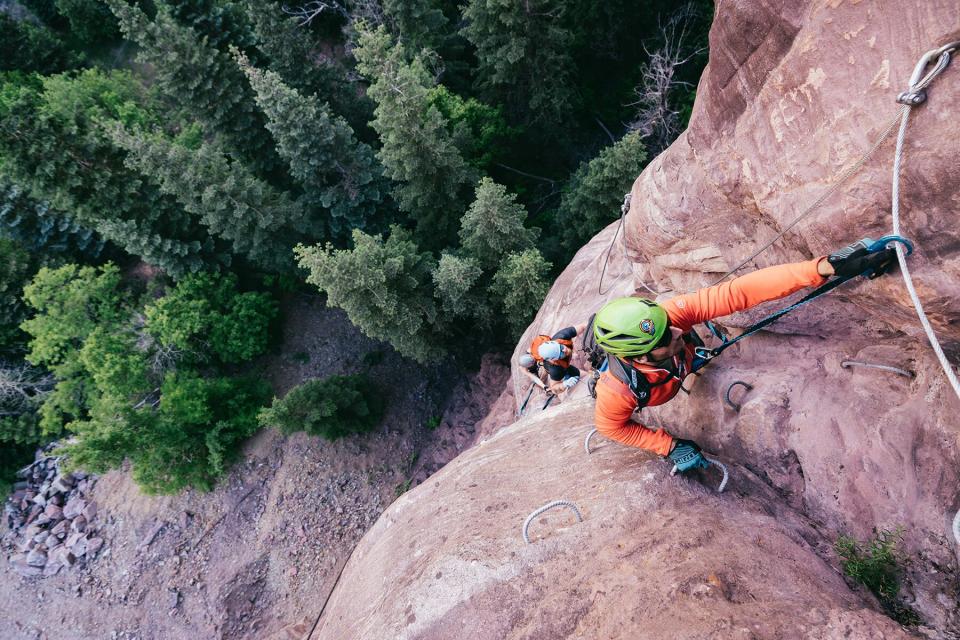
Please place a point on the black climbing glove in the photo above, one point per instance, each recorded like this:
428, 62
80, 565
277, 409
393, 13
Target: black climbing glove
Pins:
855, 259
686, 455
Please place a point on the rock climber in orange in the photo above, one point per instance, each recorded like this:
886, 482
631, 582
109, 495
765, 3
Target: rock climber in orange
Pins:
650, 347
551, 355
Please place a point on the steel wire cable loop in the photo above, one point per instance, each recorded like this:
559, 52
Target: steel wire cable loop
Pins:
549, 505
846, 364
624, 208
943, 60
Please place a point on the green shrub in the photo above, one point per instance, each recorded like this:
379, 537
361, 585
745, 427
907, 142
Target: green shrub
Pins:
330, 407
206, 315
878, 565
125, 394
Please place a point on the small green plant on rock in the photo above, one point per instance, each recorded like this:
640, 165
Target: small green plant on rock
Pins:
878, 565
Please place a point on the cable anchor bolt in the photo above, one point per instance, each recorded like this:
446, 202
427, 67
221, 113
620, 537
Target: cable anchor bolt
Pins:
912, 98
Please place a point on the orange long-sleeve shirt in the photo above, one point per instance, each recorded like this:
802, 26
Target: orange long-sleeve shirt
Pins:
616, 403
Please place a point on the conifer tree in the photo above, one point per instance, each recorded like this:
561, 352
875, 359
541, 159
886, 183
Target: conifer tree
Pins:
520, 285
459, 284
260, 222
525, 55
224, 24
418, 152
90, 21
43, 230
338, 174
204, 81
493, 226
27, 47
384, 286
592, 198
420, 24
52, 144
293, 53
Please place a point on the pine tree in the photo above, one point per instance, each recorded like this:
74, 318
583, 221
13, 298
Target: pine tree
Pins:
384, 286
459, 282
27, 47
52, 144
493, 226
260, 222
224, 24
419, 24
294, 53
418, 151
43, 230
90, 21
195, 76
520, 285
338, 174
525, 54
591, 199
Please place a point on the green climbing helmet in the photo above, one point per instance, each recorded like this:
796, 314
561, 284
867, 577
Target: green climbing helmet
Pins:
629, 326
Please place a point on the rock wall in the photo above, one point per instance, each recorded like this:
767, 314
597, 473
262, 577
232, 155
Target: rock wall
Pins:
794, 93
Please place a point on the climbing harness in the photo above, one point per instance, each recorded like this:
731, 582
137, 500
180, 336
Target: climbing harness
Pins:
916, 94
872, 246
726, 396
846, 364
549, 505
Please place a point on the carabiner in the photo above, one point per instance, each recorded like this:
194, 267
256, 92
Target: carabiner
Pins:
706, 353
881, 244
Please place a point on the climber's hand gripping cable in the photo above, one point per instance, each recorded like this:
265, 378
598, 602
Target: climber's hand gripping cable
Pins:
865, 257
686, 455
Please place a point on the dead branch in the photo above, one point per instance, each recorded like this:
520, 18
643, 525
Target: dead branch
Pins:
307, 12
657, 121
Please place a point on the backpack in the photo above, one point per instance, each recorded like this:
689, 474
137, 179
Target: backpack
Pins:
540, 339
590, 349
636, 381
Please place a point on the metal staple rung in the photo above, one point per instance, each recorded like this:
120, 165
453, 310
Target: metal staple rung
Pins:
586, 441
846, 364
956, 527
726, 475
726, 397
549, 505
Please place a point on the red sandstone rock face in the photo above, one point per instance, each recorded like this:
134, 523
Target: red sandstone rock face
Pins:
655, 556
794, 93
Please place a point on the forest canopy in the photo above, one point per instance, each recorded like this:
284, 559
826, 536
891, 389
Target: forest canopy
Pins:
428, 166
